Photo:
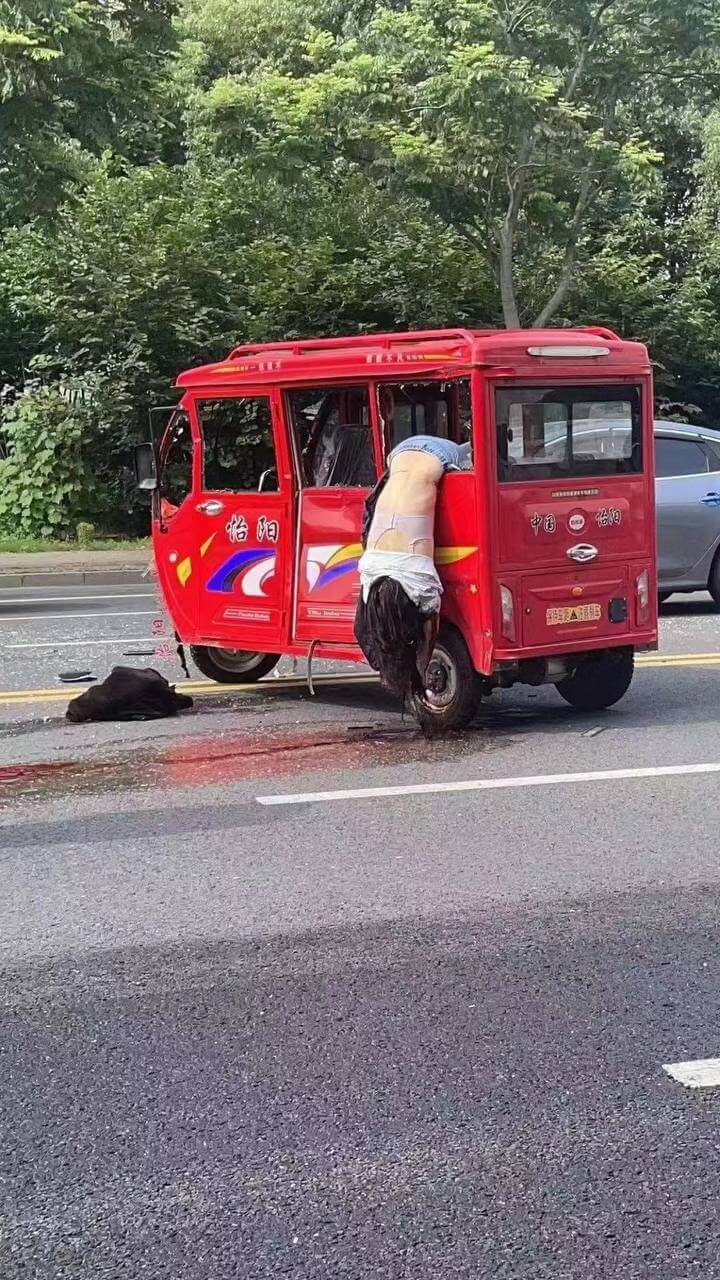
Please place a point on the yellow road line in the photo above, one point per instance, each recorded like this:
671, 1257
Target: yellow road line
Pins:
198, 689
206, 688
675, 659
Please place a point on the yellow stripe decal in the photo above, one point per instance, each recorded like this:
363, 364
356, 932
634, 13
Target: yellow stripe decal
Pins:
184, 570
452, 555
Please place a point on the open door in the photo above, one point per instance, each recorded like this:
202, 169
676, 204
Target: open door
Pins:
243, 522
174, 522
336, 467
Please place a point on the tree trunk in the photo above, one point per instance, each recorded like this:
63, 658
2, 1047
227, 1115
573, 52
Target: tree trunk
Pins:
506, 238
511, 315
568, 269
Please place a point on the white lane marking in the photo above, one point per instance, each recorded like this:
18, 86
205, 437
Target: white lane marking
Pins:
120, 595
703, 1073
82, 644
488, 784
101, 613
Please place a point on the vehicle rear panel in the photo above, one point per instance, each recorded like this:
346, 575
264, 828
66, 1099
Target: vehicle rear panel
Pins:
575, 551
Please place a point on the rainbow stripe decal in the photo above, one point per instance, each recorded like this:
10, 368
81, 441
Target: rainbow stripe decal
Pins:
327, 563
249, 569
252, 566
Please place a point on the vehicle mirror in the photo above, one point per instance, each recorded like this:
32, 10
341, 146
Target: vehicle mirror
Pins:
146, 467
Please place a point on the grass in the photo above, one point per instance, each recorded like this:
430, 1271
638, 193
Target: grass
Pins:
24, 545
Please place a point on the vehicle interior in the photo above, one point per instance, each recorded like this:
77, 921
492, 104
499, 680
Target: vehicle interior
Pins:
333, 437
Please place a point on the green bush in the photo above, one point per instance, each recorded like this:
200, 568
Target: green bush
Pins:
85, 533
43, 482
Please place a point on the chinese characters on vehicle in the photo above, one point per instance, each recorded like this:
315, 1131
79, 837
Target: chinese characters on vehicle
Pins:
266, 530
548, 522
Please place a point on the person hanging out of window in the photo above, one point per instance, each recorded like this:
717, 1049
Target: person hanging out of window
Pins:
398, 610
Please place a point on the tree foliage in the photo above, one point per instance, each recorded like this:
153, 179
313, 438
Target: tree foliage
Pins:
79, 78
44, 483
175, 182
513, 122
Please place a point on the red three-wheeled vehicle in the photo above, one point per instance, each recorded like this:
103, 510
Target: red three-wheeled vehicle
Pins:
546, 546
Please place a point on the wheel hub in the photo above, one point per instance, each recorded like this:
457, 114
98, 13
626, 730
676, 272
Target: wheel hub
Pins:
440, 681
436, 680
238, 660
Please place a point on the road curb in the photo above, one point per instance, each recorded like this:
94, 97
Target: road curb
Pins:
76, 578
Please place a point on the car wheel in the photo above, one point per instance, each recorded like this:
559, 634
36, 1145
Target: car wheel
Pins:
714, 580
452, 686
233, 666
599, 680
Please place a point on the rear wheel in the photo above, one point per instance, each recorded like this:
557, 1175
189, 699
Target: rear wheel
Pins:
599, 680
714, 580
232, 666
452, 686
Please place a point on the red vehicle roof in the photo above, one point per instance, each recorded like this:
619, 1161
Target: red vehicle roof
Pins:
437, 351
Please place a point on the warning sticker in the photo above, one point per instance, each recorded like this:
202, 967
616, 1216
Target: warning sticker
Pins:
574, 613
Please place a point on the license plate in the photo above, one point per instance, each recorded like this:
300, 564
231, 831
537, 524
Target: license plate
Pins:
574, 613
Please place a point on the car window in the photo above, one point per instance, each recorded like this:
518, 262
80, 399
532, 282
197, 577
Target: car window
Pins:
426, 409
674, 457
712, 449
176, 470
239, 450
333, 436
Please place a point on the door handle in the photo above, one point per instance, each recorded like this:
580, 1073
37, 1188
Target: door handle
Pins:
211, 507
711, 500
583, 552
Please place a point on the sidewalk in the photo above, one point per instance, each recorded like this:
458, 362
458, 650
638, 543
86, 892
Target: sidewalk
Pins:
74, 568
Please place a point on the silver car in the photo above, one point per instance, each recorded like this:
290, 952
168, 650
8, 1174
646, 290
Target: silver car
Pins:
687, 465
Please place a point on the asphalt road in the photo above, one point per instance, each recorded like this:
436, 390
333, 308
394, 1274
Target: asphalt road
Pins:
47, 630
394, 1036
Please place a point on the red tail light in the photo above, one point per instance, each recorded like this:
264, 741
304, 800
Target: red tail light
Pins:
507, 605
642, 596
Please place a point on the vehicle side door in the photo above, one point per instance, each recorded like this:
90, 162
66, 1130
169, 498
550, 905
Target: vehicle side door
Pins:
336, 466
244, 521
688, 497
174, 523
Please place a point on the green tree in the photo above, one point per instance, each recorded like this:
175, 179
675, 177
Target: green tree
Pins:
144, 274
512, 120
79, 78
44, 481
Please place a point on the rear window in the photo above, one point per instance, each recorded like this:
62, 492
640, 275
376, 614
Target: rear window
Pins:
548, 433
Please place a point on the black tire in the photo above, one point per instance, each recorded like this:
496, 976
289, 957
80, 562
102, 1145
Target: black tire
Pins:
233, 666
714, 580
453, 688
599, 680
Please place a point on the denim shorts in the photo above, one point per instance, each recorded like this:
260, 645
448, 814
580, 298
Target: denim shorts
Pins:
446, 451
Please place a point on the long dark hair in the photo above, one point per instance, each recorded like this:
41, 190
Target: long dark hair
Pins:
391, 632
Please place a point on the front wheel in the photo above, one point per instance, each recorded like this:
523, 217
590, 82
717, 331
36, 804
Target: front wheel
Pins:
452, 686
599, 680
233, 666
